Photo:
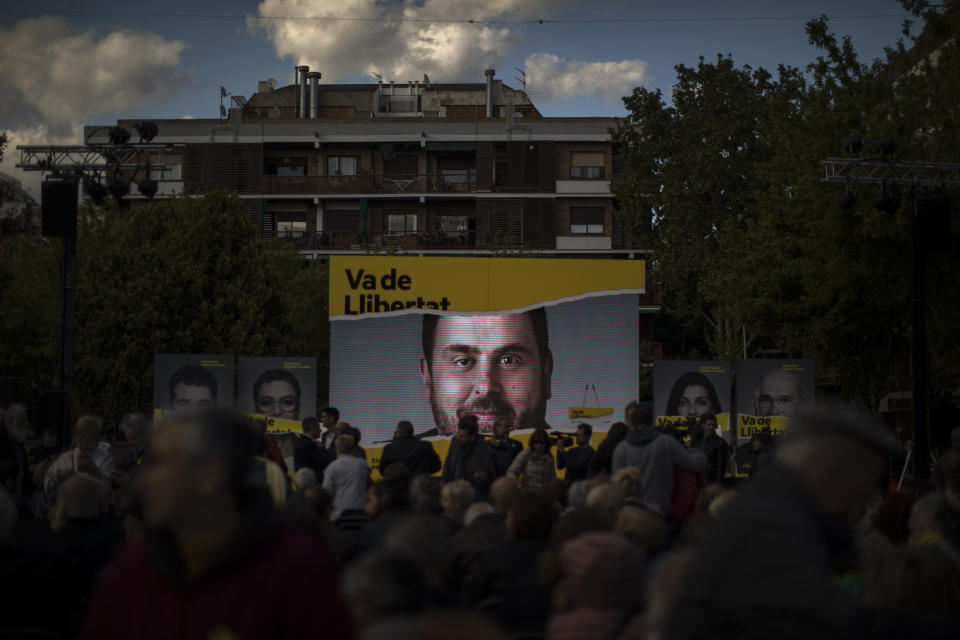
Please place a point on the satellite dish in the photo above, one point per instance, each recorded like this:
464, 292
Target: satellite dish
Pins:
223, 111
272, 82
223, 92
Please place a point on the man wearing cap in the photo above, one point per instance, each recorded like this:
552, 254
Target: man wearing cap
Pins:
769, 566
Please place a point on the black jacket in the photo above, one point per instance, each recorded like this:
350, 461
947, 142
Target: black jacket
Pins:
462, 461
306, 453
576, 460
417, 455
718, 452
504, 452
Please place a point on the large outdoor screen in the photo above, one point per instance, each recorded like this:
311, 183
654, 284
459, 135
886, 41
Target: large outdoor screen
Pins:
542, 342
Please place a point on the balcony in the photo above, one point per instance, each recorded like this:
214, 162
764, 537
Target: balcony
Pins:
414, 184
384, 240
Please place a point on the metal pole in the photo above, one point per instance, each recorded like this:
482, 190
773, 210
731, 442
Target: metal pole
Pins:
921, 421
68, 280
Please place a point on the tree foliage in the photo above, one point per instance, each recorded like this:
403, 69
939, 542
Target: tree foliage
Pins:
182, 276
726, 182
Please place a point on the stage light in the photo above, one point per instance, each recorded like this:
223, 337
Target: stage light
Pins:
148, 131
118, 188
118, 136
95, 191
147, 187
853, 145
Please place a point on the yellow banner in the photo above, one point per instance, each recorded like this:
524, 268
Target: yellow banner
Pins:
577, 413
749, 425
365, 285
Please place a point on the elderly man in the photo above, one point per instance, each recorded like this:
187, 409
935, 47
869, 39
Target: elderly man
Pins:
768, 568
217, 561
346, 479
90, 456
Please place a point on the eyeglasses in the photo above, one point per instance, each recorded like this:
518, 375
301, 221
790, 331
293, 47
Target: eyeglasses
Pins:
268, 403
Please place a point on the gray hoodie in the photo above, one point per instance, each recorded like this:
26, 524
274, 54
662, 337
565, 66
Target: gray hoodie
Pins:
655, 453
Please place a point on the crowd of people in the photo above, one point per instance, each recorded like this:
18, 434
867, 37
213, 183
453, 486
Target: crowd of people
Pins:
206, 526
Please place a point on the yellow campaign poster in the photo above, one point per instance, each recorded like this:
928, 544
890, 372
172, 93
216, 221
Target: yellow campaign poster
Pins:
538, 342
442, 446
363, 285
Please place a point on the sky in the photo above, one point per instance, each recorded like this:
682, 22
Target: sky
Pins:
66, 64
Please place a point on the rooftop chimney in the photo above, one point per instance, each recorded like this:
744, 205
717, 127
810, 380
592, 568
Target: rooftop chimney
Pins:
304, 69
489, 73
314, 77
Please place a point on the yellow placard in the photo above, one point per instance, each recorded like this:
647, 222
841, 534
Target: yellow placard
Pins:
361, 286
747, 425
576, 413
278, 425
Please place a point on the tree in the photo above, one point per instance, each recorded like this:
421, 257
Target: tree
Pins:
177, 276
747, 235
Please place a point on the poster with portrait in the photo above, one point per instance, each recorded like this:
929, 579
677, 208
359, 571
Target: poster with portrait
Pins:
541, 342
685, 390
769, 391
185, 382
282, 390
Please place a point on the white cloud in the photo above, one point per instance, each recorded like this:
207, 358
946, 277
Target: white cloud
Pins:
550, 77
55, 77
369, 41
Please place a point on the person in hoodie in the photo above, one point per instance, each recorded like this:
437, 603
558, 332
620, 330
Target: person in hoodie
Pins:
655, 453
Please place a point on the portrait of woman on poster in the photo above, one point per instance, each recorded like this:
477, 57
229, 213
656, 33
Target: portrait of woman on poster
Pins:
693, 395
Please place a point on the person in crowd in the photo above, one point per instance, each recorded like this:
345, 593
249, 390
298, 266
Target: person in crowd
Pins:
425, 494
601, 592
715, 448
505, 448
915, 581
90, 456
307, 451
823, 476
534, 469
135, 428
892, 518
381, 585
576, 460
655, 453
693, 395
481, 481
602, 460
346, 479
312, 512
346, 428
12, 450
455, 498
269, 448
484, 529
630, 482
642, 527
511, 575
488, 367
419, 456
468, 453
426, 541
329, 417
217, 561
388, 502
606, 500
192, 387
949, 462
923, 521
577, 494
276, 394
304, 479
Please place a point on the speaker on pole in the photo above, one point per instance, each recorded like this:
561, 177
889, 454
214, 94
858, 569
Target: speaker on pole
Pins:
58, 202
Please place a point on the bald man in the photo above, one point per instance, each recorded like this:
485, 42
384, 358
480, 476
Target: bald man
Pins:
777, 394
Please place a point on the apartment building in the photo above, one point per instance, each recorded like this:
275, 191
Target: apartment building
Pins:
446, 168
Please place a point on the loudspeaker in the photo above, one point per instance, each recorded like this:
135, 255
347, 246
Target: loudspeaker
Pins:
52, 414
933, 216
58, 201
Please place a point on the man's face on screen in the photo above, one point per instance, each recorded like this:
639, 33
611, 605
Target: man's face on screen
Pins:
487, 366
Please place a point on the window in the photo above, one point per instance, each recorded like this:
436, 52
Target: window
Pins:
342, 165
290, 224
285, 166
586, 165
397, 223
342, 221
586, 220
165, 172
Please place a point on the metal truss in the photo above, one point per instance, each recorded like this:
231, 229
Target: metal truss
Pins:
878, 171
93, 158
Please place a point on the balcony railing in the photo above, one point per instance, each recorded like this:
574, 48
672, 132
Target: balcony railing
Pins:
386, 240
418, 184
